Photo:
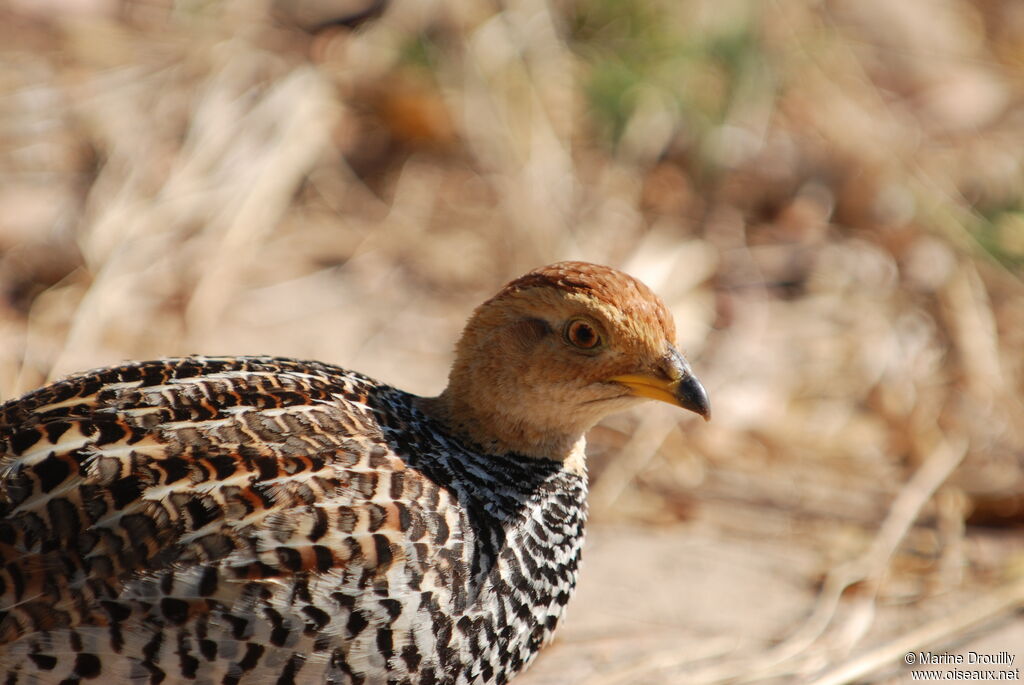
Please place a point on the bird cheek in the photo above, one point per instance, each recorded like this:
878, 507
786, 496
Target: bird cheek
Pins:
526, 334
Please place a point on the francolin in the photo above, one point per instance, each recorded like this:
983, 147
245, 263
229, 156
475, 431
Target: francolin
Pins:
259, 520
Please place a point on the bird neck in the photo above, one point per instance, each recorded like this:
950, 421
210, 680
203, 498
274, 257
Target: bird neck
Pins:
494, 431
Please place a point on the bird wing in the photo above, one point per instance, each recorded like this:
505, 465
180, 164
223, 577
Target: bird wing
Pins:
188, 472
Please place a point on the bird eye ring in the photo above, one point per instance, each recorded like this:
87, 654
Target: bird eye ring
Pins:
581, 334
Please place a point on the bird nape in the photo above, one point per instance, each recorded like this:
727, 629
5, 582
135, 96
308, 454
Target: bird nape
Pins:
252, 520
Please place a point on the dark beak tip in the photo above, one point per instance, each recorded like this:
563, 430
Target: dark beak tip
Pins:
694, 397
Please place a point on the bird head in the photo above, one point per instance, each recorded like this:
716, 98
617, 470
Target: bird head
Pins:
558, 349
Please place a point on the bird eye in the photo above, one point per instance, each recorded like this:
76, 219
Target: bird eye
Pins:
582, 335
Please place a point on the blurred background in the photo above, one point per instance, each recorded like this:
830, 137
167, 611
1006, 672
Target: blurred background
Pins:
829, 194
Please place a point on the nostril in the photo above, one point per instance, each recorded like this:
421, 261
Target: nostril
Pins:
672, 365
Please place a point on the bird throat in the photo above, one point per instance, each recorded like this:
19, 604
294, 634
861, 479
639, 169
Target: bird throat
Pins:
494, 431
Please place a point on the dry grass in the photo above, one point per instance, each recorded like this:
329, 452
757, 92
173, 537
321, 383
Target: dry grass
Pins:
830, 195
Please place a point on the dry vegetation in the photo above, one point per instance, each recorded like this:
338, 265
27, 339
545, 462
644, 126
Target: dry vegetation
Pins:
829, 194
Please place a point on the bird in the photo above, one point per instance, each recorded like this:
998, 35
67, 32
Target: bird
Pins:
255, 520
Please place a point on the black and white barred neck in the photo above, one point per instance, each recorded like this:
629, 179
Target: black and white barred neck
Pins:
259, 520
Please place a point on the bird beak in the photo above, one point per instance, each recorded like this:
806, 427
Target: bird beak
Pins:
673, 382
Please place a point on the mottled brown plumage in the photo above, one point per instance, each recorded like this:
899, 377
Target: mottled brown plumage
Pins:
261, 520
